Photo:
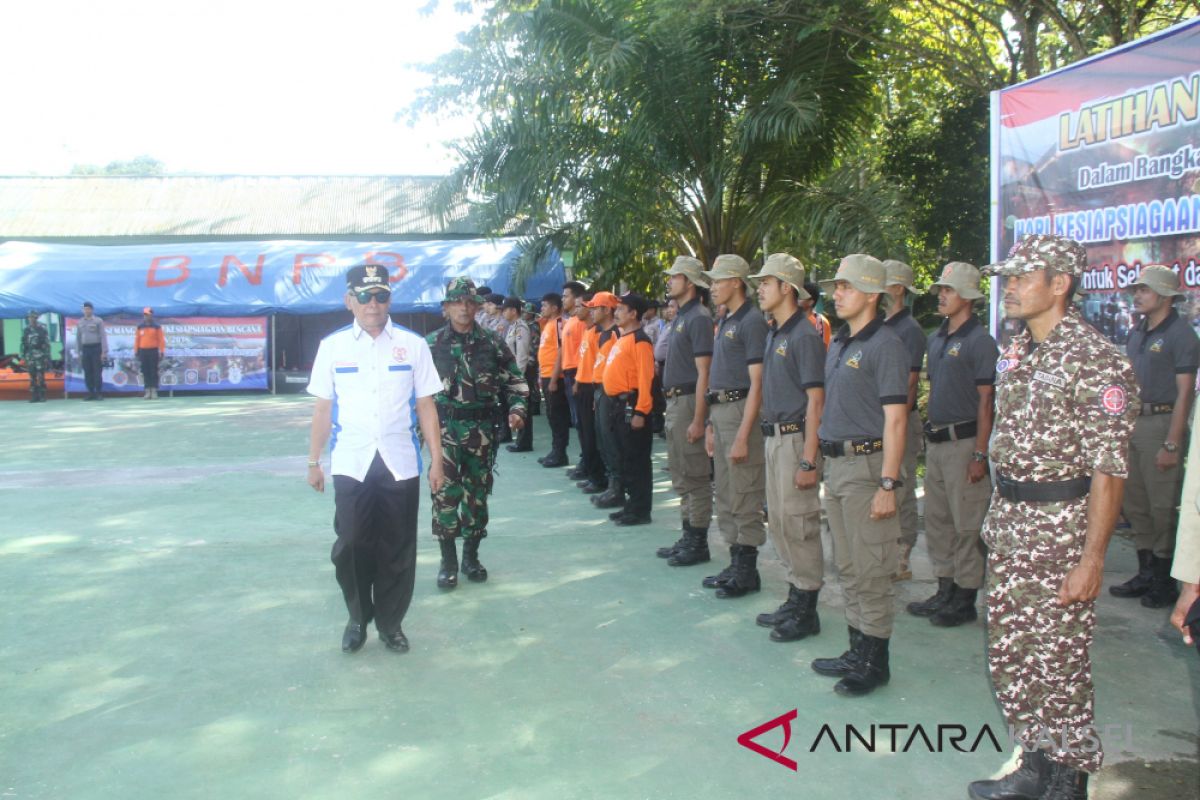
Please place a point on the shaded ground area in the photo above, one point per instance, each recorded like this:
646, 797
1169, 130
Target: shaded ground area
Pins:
170, 628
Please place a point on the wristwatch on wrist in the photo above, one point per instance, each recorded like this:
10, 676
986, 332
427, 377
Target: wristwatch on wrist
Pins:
890, 484
807, 466
979, 455
314, 463
1170, 447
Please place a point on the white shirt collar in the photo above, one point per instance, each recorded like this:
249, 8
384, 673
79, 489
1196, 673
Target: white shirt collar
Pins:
358, 329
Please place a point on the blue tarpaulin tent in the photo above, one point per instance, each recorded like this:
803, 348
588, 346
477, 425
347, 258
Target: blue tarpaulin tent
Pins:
250, 278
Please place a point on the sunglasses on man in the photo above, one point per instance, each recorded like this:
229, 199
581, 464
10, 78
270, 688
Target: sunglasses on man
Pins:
380, 296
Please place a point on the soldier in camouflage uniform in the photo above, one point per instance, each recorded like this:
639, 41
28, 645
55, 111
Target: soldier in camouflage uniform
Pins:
478, 374
1066, 401
35, 352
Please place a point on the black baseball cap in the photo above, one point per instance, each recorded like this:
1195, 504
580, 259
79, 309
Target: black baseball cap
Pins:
367, 276
512, 302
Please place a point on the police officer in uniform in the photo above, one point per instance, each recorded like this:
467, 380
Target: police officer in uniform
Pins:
478, 374
685, 384
1165, 354
91, 340
734, 437
519, 339
35, 352
900, 320
793, 398
862, 438
962, 374
377, 374
1066, 401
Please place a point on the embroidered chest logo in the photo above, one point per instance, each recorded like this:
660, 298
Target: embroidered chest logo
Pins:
1011, 358
854, 360
730, 331
781, 350
1157, 346
1113, 400
399, 354
1053, 380
679, 326
955, 349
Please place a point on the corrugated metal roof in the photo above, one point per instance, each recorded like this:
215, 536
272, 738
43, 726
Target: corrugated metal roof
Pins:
104, 206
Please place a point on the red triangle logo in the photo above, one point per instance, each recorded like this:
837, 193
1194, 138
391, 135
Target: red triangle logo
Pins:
785, 720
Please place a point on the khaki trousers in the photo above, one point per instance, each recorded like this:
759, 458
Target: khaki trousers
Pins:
954, 512
1151, 501
906, 495
688, 463
740, 488
864, 549
794, 516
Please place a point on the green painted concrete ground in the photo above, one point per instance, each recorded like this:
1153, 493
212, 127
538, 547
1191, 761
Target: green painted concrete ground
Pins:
170, 629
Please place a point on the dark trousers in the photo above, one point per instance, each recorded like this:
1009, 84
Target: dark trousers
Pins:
90, 358
559, 416
568, 387
635, 462
375, 555
606, 436
148, 358
585, 407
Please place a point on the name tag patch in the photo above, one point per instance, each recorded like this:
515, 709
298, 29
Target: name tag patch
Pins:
1053, 380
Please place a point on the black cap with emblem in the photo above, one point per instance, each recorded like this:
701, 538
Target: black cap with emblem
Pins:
366, 276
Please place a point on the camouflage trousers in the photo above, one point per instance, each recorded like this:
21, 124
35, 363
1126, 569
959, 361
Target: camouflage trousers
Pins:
1038, 650
37, 374
460, 507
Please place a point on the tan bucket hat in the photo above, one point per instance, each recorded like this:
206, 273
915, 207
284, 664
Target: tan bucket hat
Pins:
863, 272
691, 268
730, 265
962, 278
786, 268
1161, 279
899, 274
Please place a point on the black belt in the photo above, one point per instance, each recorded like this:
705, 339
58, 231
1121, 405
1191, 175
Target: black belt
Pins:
857, 447
681, 390
446, 412
726, 396
769, 428
1042, 491
1149, 409
951, 433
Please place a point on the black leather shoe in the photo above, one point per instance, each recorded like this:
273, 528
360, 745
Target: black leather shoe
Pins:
840, 666
722, 577
395, 641
745, 578
1140, 583
802, 622
353, 637
553, 461
1028, 782
447, 577
513, 448
770, 619
958, 611
471, 567
626, 520
542, 459
576, 473
930, 605
616, 515
693, 550
609, 499
594, 488
870, 672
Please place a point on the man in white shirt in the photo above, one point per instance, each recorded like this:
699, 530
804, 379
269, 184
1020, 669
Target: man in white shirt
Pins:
374, 382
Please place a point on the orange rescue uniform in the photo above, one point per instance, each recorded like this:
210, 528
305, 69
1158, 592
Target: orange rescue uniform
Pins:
630, 368
548, 346
150, 337
572, 337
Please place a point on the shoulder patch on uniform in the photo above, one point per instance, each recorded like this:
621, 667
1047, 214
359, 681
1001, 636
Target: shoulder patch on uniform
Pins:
1113, 400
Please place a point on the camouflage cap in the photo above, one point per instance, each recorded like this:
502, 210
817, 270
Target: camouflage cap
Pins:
1042, 251
730, 265
33, 313
899, 274
865, 273
462, 289
1162, 280
691, 268
529, 307
786, 268
962, 278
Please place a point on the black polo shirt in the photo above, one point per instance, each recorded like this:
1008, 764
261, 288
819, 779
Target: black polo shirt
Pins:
1160, 354
741, 337
793, 362
690, 337
958, 363
863, 373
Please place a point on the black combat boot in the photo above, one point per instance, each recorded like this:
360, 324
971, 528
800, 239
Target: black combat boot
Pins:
1140, 583
929, 606
870, 672
1066, 783
722, 577
958, 611
470, 561
769, 619
667, 552
448, 575
802, 622
837, 667
745, 577
1027, 782
1163, 589
694, 549
613, 497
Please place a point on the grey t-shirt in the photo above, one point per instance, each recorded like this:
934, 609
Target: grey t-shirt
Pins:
863, 374
909, 331
793, 363
958, 363
1159, 355
741, 337
691, 337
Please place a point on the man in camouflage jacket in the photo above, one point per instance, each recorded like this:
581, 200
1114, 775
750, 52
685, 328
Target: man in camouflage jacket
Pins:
478, 374
1066, 401
35, 352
